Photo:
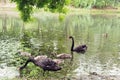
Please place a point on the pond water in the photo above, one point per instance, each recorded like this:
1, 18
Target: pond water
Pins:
99, 32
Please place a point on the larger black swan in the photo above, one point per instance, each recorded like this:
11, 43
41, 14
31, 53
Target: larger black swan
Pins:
46, 64
80, 49
41, 57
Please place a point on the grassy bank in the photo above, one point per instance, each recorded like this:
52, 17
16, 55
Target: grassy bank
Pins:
95, 11
11, 9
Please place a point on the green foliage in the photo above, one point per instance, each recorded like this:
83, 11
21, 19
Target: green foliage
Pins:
103, 3
83, 3
26, 6
25, 41
61, 17
94, 3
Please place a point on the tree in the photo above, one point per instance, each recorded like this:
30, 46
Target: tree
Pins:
26, 6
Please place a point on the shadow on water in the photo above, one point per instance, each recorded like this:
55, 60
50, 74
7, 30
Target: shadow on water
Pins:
47, 35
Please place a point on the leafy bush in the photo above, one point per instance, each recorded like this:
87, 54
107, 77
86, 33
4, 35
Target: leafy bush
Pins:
26, 7
94, 3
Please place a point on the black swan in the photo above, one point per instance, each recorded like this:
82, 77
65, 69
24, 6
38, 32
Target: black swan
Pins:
46, 64
25, 54
64, 56
61, 55
40, 57
58, 61
80, 49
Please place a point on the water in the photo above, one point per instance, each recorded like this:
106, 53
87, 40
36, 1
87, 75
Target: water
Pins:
8, 48
48, 34
8, 72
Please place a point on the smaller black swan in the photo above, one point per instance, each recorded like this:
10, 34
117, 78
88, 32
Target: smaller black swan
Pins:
61, 55
64, 56
25, 54
46, 64
80, 49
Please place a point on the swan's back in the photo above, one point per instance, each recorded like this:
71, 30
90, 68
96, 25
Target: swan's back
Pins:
58, 61
64, 56
48, 64
25, 54
41, 57
80, 49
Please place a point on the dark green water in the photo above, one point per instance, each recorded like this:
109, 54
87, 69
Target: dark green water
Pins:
101, 33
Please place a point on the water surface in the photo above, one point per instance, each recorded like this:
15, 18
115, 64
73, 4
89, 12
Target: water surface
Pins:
99, 32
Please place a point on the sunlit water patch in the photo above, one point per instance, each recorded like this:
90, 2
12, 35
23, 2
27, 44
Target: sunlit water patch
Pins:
93, 64
8, 48
8, 72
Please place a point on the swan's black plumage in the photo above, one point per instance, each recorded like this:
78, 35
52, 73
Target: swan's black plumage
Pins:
79, 49
46, 64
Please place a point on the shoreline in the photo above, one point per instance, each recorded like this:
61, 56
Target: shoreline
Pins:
11, 7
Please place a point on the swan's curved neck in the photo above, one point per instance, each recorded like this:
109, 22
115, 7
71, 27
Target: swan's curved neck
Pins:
72, 44
29, 60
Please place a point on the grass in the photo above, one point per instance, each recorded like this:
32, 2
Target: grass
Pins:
72, 10
94, 11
